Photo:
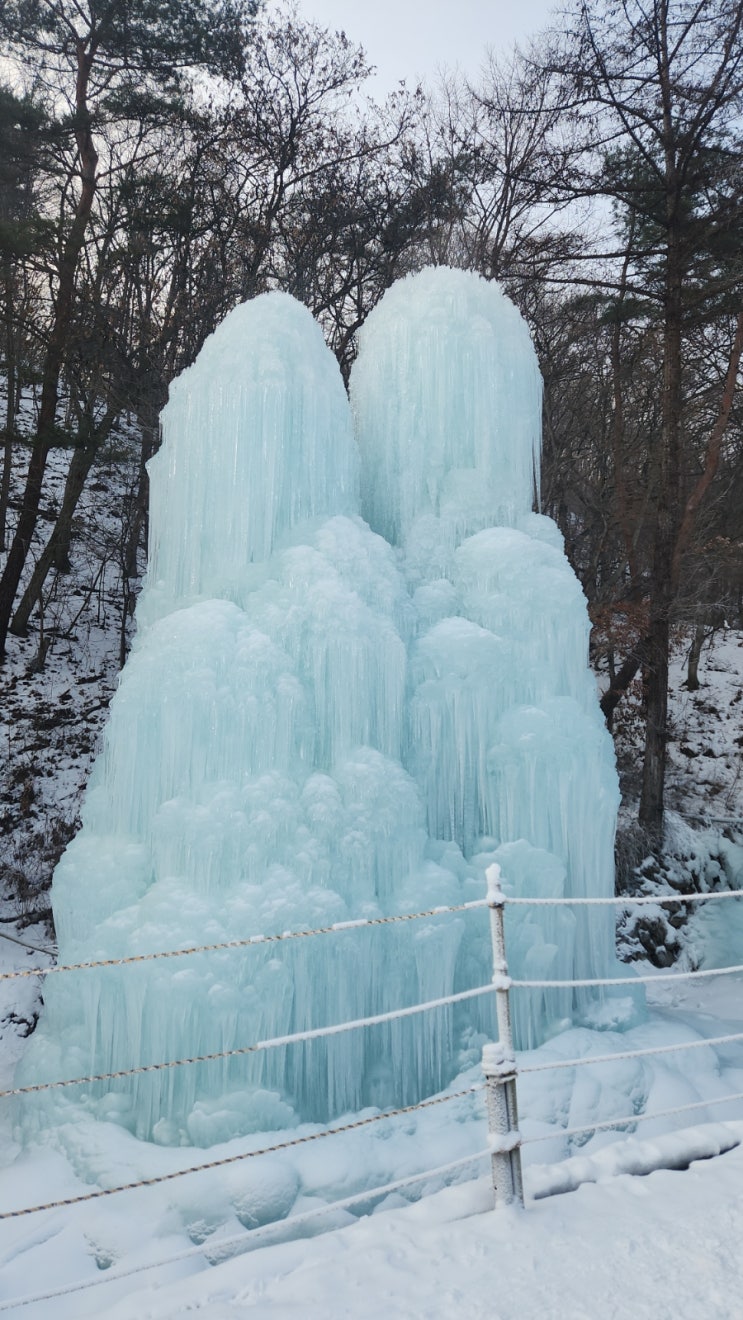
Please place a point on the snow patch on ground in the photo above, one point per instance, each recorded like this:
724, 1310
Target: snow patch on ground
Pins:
660, 1247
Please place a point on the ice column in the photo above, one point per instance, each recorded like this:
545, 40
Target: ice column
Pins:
504, 735
250, 780
325, 718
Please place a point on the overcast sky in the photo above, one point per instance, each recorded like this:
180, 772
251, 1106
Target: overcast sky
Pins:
410, 39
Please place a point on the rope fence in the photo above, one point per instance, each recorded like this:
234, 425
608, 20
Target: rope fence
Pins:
501, 983
621, 1055
499, 1061
603, 1125
334, 1029
339, 926
289, 1144
361, 923
623, 901
274, 1042
598, 981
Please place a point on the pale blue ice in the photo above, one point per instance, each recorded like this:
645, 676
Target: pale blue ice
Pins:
360, 674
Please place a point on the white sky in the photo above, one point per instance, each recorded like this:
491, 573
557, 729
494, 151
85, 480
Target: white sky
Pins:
411, 39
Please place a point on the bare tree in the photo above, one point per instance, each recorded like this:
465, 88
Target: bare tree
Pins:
105, 62
505, 142
658, 90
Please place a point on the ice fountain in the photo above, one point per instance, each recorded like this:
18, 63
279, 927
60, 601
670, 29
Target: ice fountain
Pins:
359, 675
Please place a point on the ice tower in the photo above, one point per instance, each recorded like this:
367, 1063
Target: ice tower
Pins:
324, 718
504, 735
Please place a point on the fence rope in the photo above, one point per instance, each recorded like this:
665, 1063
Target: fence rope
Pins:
239, 1240
632, 1118
320, 1032
623, 900
626, 981
359, 924
629, 1054
274, 1042
338, 927
243, 1155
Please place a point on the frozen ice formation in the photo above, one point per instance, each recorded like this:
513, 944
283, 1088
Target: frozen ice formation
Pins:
359, 675
447, 396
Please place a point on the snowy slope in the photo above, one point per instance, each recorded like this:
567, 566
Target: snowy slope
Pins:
704, 778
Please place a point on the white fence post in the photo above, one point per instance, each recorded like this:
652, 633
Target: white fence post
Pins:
499, 1065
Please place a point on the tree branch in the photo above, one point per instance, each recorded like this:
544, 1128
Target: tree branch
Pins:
712, 452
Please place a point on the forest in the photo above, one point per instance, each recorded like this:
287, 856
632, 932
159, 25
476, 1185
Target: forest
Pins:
163, 160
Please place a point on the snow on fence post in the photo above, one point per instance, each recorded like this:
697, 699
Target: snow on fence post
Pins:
499, 1065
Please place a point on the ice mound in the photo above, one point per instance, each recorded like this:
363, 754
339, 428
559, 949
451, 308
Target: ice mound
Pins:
447, 396
323, 720
257, 442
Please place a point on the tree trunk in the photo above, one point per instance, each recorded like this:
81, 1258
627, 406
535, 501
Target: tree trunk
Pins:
617, 425
139, 524
62, 317
692, 672
57, 547
668, 469
621, 680
656, 728
10, 402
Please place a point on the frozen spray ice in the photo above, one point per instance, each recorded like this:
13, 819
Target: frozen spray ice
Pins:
359, 674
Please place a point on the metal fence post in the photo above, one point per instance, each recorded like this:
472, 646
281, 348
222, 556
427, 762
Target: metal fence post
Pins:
499, 1065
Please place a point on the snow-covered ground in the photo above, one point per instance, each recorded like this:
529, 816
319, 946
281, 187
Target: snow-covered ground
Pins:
663, 1247
621, 1245
654, 1247
56, 683
704, 777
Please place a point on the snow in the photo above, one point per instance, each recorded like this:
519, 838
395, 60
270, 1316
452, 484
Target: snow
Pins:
657, 1245
705, 753
662, 1247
